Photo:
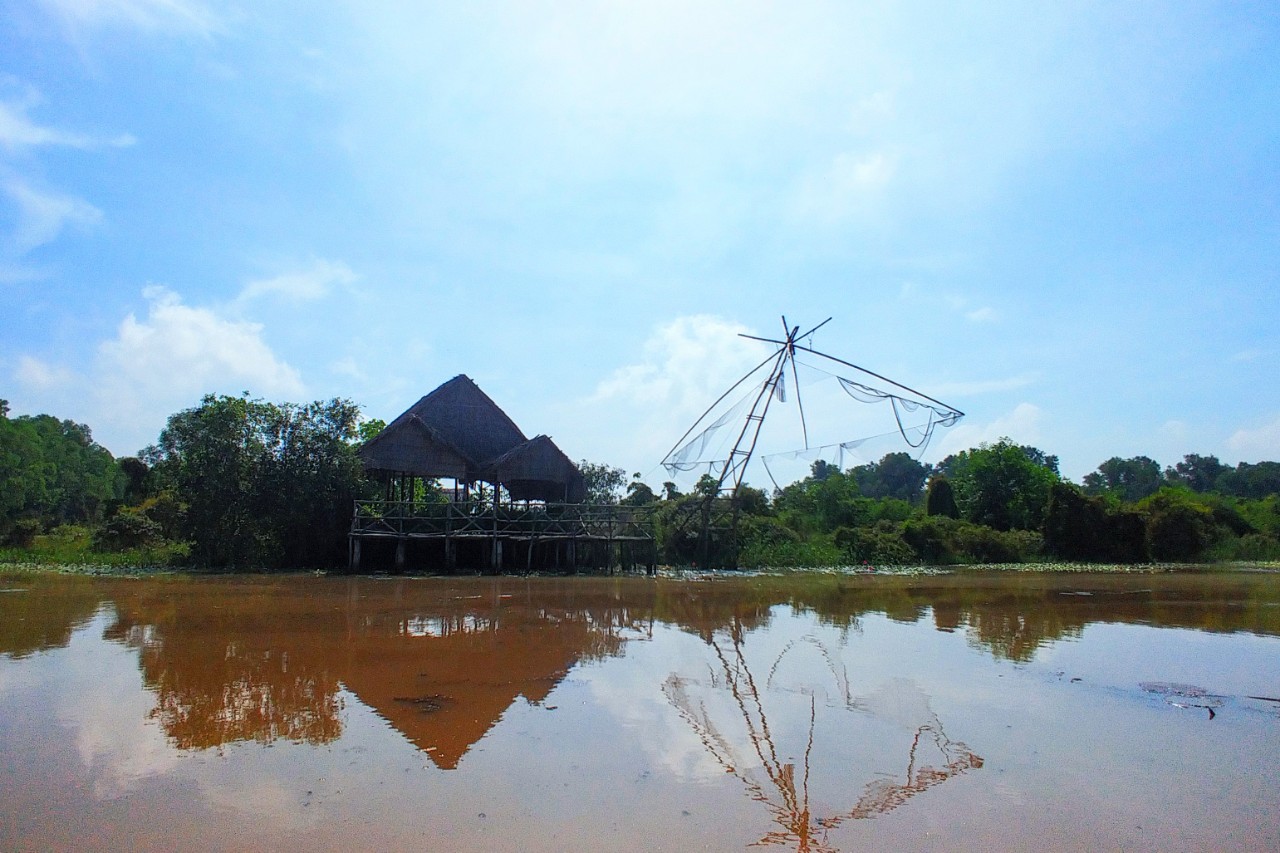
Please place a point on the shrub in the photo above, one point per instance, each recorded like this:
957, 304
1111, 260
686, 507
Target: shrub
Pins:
879, 545
23, 532
931, 538
1178, 532
983, 545
125, 531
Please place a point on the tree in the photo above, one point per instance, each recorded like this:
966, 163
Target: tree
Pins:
940, 499
369, 428
1002, 485
1251, 480
897, 475
1075, 526
136, 479
639, 494
603, 483
264, 484
1129, 480
822, 469
1178, 528
53, 471
1196, 472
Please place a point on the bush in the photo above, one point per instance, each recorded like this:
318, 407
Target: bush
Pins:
1178, 533
790, 554
983, 545
23, 532
931, 538
880, 545
1252, 546
125, 531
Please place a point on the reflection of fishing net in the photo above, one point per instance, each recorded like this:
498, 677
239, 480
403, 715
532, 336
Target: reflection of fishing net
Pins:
777, 754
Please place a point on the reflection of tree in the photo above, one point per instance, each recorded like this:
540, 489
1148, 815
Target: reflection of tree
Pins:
224, 670
264, 659
786, 797
43, 615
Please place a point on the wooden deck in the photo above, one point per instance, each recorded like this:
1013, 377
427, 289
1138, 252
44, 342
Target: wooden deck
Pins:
472, 535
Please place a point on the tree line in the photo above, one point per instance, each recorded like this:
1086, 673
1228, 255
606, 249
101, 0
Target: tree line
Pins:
240, 482
1000, 502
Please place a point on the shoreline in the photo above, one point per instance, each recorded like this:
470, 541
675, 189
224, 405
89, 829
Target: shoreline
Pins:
17, 569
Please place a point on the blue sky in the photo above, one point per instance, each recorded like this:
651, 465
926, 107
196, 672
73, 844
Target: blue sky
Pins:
1061, 218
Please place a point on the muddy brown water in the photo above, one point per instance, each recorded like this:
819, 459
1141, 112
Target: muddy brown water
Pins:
957, 712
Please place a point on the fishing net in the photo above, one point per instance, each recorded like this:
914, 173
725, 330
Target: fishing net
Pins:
915, 419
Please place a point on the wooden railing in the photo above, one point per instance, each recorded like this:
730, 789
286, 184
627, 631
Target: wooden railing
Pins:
476, 519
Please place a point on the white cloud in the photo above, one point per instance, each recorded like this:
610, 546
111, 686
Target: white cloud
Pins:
175, 355
17, 130
911, 291
863, 171
849, 184
301, 285
43, 215
1262, 442
685, 364
349, 367
641, 408
1022, 425
146, 15
40, 376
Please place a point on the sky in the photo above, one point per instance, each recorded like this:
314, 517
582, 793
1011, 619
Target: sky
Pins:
1062, 219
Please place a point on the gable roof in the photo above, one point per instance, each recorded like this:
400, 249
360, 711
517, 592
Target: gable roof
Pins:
537, 470
458, 431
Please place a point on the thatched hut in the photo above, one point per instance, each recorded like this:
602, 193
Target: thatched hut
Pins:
458, 432
532, 517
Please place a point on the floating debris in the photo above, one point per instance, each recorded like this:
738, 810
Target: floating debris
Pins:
425, 704
1184, 695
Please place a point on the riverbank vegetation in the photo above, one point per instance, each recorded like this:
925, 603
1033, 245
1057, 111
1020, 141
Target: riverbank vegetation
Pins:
241, 483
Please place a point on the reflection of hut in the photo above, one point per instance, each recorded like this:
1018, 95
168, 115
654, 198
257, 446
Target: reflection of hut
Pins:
529, 496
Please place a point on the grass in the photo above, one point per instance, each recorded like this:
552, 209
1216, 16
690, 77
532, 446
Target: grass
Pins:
70, 549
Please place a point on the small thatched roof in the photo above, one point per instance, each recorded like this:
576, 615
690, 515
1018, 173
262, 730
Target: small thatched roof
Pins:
537, 470
457, 431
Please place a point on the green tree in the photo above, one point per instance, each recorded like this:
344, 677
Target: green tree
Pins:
1179, 529
940, 498
897, 475
1251, 480
53, 471
603, 483
1196, 472
369, 428
263, 484
1002, 485
639, 494
1129, 480
1075, 526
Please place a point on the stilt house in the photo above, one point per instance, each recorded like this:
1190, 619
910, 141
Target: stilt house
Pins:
534, 518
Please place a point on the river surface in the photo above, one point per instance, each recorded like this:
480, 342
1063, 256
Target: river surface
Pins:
955, 712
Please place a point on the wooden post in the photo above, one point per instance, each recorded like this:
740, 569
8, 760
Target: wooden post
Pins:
400, 547
355, 553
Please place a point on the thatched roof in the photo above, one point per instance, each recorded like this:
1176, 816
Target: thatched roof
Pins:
537, 470
457, 431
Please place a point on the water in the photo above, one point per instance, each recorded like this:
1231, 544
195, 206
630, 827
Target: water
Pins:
964, 712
